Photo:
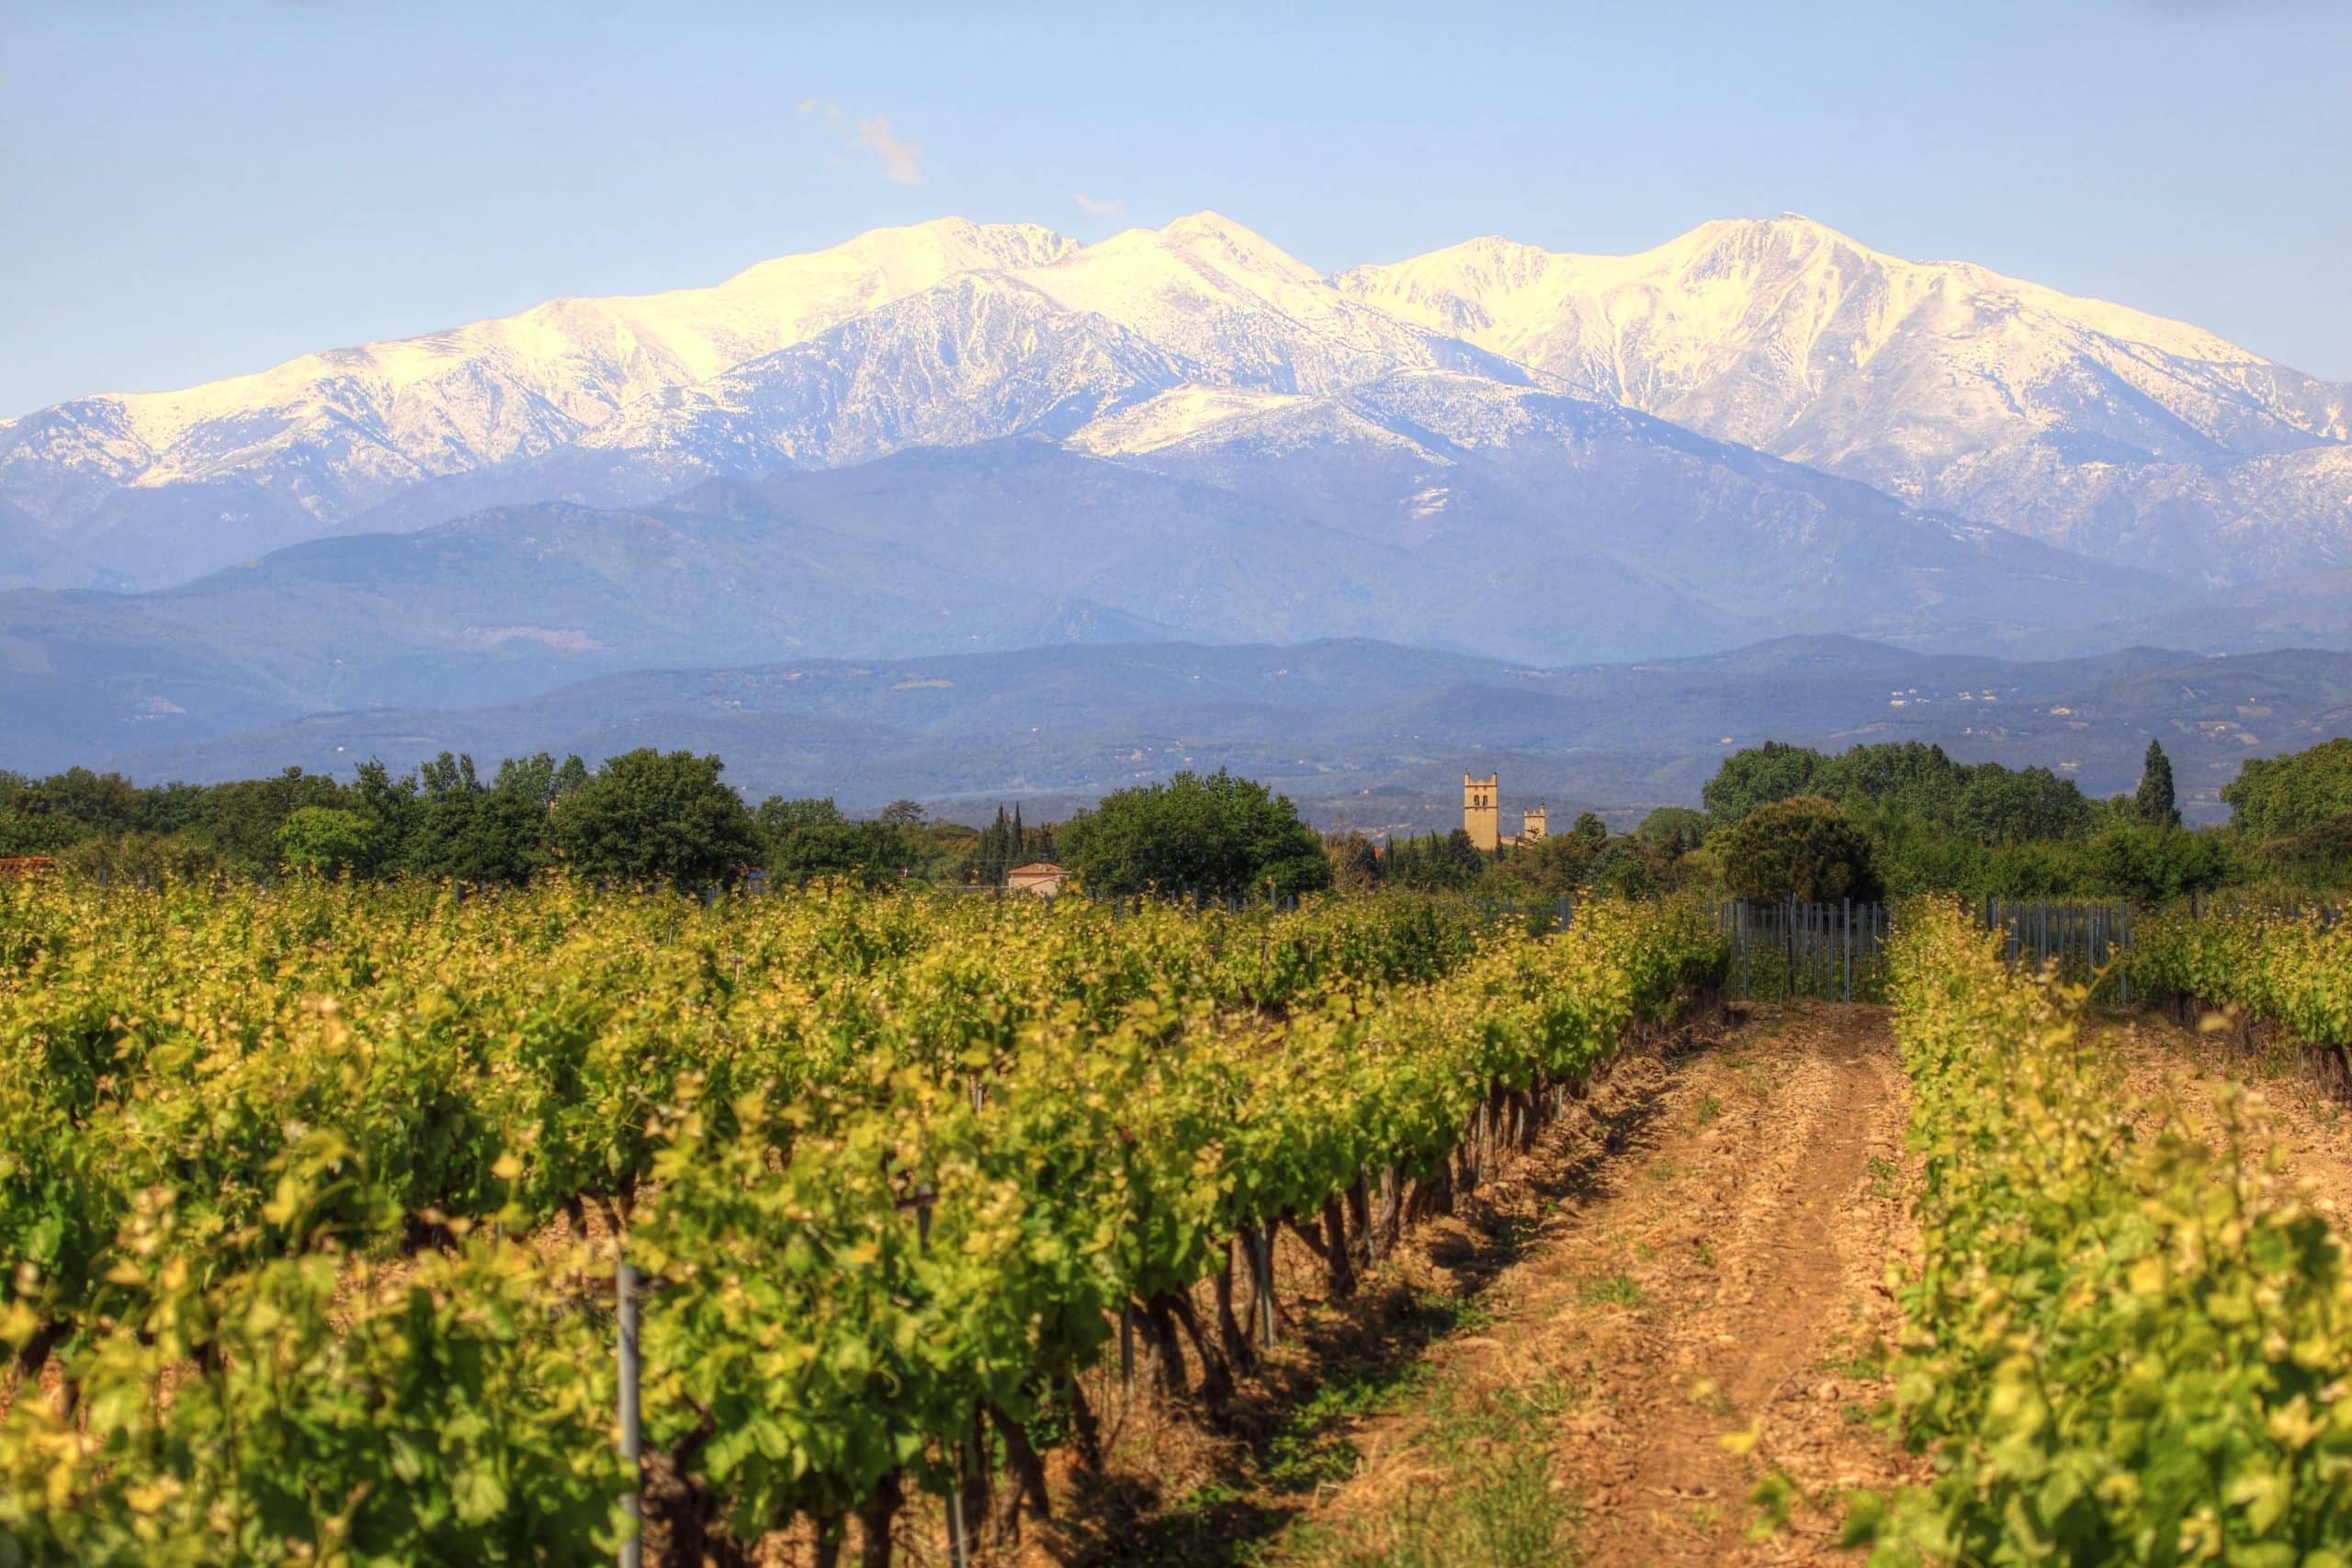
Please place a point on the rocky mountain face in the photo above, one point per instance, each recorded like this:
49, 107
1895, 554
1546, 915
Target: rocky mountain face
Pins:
2088, 425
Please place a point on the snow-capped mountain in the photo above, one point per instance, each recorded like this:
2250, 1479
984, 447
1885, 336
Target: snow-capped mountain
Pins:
160, 485
2088, 425
1202, 312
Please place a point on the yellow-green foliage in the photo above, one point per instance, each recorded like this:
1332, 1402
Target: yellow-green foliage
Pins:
2290, 967
254, 1141
2124, 1347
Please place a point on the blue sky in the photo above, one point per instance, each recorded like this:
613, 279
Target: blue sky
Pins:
191, 191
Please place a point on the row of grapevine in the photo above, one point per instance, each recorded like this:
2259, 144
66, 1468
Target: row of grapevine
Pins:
896, 1168
2290, 967
2130, 1339
421, 1056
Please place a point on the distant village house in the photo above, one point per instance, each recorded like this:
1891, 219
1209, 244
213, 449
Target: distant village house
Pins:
1041, 877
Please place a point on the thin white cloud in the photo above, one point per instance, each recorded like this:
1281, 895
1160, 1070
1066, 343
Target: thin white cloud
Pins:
1101, 206
902, 160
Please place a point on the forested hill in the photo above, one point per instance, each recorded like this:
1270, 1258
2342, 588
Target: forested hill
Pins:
1365, 732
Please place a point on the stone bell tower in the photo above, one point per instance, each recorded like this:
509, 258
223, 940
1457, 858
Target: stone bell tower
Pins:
1481, 816
1533, 828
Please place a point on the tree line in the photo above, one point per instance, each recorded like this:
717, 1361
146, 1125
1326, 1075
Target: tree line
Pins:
1899, 819
1775, 821
1779, 821
644, 817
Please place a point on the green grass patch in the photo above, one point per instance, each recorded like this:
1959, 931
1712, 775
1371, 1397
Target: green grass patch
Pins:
1496, 1505
1612, 1290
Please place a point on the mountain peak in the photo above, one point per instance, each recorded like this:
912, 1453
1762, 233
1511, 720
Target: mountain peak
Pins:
1791, 234
1228, 246
913, 255
1941, 383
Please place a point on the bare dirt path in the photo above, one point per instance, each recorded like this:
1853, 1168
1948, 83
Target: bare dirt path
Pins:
1659, 1337
1721, 1276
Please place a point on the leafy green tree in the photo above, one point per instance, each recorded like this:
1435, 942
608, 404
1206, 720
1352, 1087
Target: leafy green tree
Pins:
778, 816
805, 840
449, 773
1441, 862
2001, 805
30, 824
2153, 801
1897, 789
150, 858
1217, 835
390, 806
480, 836
1550, 868
1908, 779
1757, 775
1673, 831
1630, 866
650, 816
569, 777
992, 855
2155, 864
242, 819
1803, 848
2279, 797
2319, 854
101, 803
465, 831
532, 778
328, 839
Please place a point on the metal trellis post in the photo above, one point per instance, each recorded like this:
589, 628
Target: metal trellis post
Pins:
633, 1435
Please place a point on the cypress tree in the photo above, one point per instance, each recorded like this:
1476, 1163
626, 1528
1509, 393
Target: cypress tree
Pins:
2153, 803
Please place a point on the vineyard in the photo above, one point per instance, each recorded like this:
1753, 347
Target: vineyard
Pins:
312, 1195
326, 1209
2130, 1340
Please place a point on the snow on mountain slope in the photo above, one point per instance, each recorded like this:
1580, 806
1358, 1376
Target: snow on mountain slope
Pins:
1943, 383
2086, 425
1172, 417
1214, 293
1586, 524
1198, 318
333, 432
165, 484
983, 357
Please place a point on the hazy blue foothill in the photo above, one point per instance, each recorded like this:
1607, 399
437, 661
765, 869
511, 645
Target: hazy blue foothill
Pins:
1360, 732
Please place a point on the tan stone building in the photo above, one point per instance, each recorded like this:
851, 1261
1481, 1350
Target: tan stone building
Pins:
1041, 877
1482, 814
